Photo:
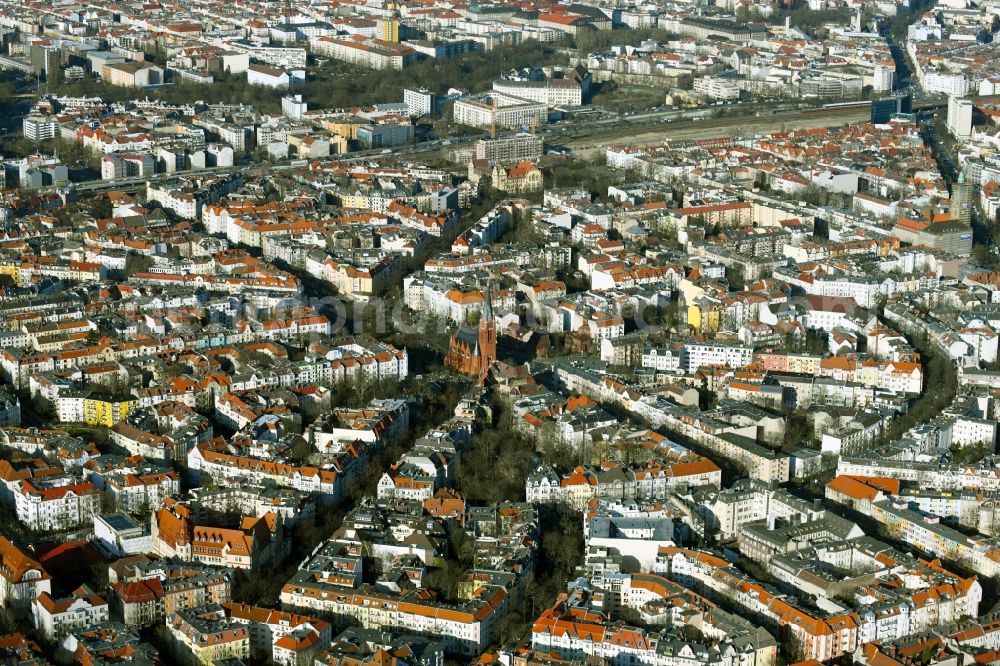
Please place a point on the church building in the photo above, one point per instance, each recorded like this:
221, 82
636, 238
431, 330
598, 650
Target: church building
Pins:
473, 349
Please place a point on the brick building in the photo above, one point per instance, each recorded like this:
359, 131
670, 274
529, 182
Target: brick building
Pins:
474, 350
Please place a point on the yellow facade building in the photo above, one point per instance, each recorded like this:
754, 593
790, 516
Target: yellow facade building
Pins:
105, 410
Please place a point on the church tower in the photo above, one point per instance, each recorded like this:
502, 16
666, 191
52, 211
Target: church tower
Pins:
487, 335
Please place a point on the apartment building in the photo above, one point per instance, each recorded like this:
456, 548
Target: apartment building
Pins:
509, 149
575, 632
368, 52
273, 77
695, 355
717, 87
41, 267
269, 54
56, 617
225, 467
280, 635
187, 197
256, 543
407, 482
300, 646
133, 492
981, 477
382, 421
361, 278
379, 361
56, 507
116, 167
551, 92
947, 83
237, 136
927, 533
960, 117
421, 102
817, 636
132, 74
206, 636
464, 629
39, 128
160, 588
106, 410
737, 443
24, 579
709, 27
966, 430
99, 643
653, 481
499, 110
146, 444
950, 236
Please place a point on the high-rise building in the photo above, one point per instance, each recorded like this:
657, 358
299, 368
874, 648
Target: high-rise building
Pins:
292, 107
388, 26
46, 61
961, 201
960, 117
40, 128
388, 29
884, 109
884, 78
421, 102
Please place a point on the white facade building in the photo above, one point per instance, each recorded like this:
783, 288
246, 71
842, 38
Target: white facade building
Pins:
56, 508
960, 117
503, 111
57, 617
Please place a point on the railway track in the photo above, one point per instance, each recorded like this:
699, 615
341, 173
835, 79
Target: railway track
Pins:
656, 132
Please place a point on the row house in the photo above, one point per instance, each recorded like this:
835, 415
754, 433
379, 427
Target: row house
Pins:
206, 636
380, 362
257, 542
134, 492
653, 481
24, 579
465, 629
146, 444
226, 467
56, 617
382, 422
980, 476
578, 633
159, 588
59, 507
268, 630
737, 444
820, 637
927, 533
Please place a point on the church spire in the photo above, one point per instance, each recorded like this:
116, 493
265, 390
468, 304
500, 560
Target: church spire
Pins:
487, 315
487, 336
